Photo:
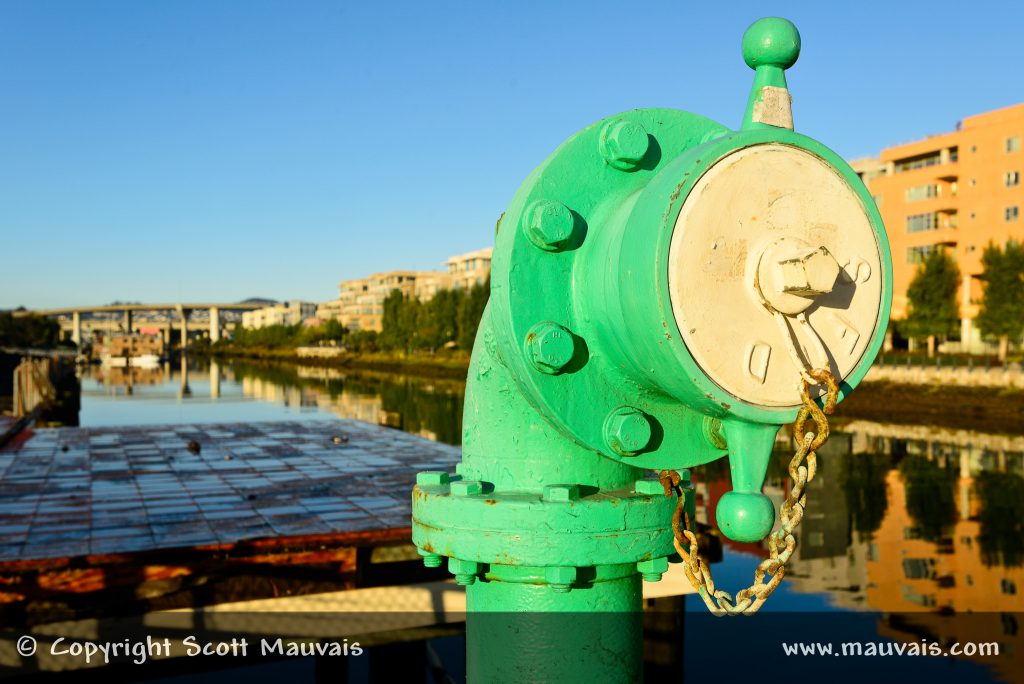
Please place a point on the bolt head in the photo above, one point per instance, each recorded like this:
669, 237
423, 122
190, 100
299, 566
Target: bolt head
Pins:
549, 224
623, 144
433, 478
467, 487
550, 347
561, 493
627, 431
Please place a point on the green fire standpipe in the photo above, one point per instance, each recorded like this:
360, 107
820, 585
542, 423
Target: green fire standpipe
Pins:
659, 284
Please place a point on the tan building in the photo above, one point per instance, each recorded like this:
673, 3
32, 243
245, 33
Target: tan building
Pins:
471, 268
360, 302
957, 192
285, 313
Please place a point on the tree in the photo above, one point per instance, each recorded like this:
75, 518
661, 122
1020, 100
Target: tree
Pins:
932, 299
471, 310
28, 331
1002, 304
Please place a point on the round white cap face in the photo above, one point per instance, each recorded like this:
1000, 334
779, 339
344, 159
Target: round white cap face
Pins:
773, 257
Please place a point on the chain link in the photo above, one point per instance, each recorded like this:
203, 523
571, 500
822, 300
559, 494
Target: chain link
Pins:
781, 543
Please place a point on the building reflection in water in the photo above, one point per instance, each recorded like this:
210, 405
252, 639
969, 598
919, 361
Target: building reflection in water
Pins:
911, 520
430, 408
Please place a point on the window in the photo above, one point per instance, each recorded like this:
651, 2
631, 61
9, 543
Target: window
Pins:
1011, 213
918, 568
916, 255
1008, 587
918, 162
921, 192
921, 222
954, 154
1012, 178
1013, 144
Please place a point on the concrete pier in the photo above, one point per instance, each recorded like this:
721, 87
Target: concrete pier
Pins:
214, 324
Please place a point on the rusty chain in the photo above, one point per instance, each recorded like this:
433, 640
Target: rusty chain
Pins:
781, 543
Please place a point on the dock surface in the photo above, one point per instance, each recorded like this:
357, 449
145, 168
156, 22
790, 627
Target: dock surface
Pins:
74, 492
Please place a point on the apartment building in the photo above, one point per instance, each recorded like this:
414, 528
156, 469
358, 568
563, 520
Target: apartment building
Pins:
471, 268
956, 192
360, 302
285, 313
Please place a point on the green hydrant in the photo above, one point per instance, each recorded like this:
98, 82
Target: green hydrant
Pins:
659, 286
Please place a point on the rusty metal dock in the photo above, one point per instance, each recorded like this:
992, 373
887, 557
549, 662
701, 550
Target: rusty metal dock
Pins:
135, 512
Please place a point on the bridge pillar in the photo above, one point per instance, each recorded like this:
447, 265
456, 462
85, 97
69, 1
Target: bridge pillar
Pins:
214, 324
128, 322
184, 313
76, 328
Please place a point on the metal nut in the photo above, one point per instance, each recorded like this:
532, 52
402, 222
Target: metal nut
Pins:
810, 273
653, 569
560, 578
561, 493
466, 487
433, 478
465, 571
649, 487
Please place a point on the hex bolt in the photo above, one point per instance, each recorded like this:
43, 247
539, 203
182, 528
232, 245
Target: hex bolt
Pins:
714, 432
549, 224
561, 492
653, 569
627, 431
550, 347
465, 571
623, 144
560, 578
433, 478
467, 487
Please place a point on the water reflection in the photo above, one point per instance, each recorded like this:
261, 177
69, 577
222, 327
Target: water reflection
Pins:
900, 518
904, 518
914, 522
427, 407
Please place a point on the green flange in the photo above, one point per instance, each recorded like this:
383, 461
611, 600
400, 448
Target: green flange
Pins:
530, 529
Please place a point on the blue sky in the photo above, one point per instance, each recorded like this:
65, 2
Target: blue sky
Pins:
203, 150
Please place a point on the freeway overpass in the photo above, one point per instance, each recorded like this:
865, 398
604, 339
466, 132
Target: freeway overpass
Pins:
183, 311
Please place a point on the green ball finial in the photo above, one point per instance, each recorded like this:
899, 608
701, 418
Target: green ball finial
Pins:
771, 41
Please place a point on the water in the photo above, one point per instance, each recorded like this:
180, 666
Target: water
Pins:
904, 519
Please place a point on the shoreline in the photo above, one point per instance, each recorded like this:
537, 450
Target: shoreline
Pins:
447, 366
990, 410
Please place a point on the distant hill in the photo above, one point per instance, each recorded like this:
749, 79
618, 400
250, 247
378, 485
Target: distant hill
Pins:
263, 301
